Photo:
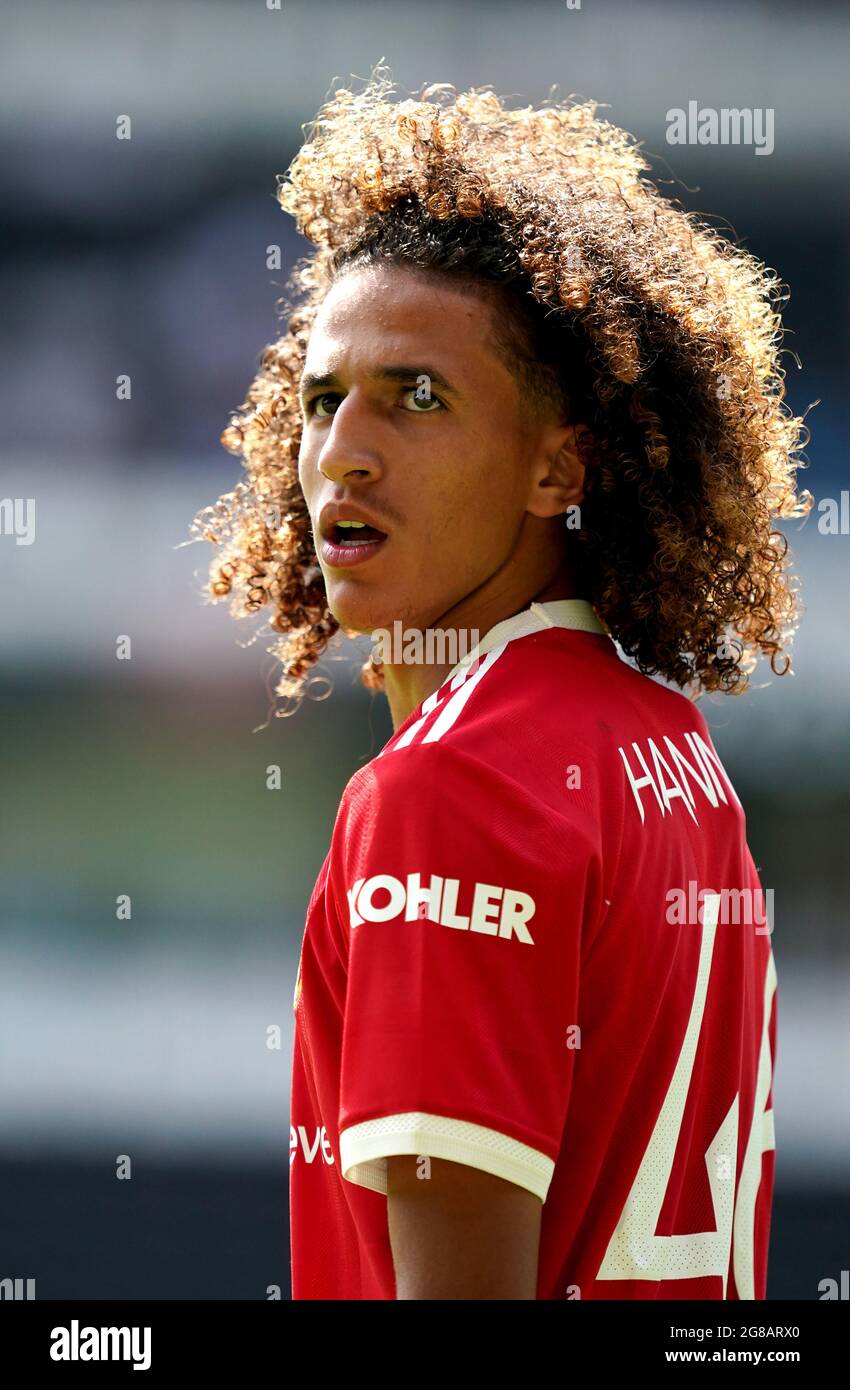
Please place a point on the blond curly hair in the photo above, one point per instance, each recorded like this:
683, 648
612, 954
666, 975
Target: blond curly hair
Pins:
654, 329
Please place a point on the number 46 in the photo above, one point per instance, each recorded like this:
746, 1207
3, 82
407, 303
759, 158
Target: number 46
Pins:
635, 1251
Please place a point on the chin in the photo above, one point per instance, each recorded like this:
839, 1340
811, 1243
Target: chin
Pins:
359, 612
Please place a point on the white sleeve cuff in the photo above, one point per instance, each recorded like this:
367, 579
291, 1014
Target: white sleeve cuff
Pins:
364, 1150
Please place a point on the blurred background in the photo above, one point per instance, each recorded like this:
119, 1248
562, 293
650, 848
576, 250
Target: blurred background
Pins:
146, 777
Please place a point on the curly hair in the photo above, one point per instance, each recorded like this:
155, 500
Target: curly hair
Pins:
650, 327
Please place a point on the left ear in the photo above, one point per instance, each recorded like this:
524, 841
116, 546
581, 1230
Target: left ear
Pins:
557, 479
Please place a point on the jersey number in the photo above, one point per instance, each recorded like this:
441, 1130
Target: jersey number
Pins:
635, 1251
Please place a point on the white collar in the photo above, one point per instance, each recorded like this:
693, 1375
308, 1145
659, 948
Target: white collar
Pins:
576, 613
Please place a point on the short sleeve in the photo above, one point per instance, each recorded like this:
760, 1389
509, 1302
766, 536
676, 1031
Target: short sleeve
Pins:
464, 900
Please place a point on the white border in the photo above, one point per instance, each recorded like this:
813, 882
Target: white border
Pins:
364, 1149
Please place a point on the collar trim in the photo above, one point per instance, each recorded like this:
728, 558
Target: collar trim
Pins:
576, 613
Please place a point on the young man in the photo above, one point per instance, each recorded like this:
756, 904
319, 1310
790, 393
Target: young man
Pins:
528, 403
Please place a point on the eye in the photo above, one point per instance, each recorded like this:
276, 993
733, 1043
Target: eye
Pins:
423, 403
316, 401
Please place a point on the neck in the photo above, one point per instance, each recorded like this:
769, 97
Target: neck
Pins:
407, 684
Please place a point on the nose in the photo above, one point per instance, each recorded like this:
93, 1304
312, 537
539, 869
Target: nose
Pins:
349, 446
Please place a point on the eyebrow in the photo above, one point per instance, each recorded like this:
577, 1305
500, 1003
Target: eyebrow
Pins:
311, 381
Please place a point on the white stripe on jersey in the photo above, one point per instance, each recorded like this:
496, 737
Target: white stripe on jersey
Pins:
450, 709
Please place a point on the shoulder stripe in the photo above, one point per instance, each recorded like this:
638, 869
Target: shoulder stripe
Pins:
451, 707
454, 707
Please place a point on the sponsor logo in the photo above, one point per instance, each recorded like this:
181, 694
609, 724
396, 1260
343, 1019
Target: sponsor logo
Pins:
493, 911
310, 1149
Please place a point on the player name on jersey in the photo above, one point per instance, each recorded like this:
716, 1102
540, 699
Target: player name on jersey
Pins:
700, 770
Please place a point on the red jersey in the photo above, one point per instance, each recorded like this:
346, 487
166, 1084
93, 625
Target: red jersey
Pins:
538, 945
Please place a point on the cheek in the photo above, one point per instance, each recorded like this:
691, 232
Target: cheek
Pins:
469, 539
478, 514
304, 472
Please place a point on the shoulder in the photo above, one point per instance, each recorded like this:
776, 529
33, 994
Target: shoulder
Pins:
549, 715
494, 746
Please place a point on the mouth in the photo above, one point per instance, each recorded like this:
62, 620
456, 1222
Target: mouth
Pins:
350, 543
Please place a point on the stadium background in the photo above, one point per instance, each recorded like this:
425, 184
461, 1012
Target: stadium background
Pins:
147, 1037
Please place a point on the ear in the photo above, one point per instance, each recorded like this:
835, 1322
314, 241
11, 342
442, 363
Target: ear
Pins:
557, 478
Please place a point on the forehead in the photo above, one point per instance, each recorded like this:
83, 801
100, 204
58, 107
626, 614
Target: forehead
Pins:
393, 310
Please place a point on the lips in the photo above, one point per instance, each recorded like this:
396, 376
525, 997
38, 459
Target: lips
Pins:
344, 545
366, 542
334, 512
